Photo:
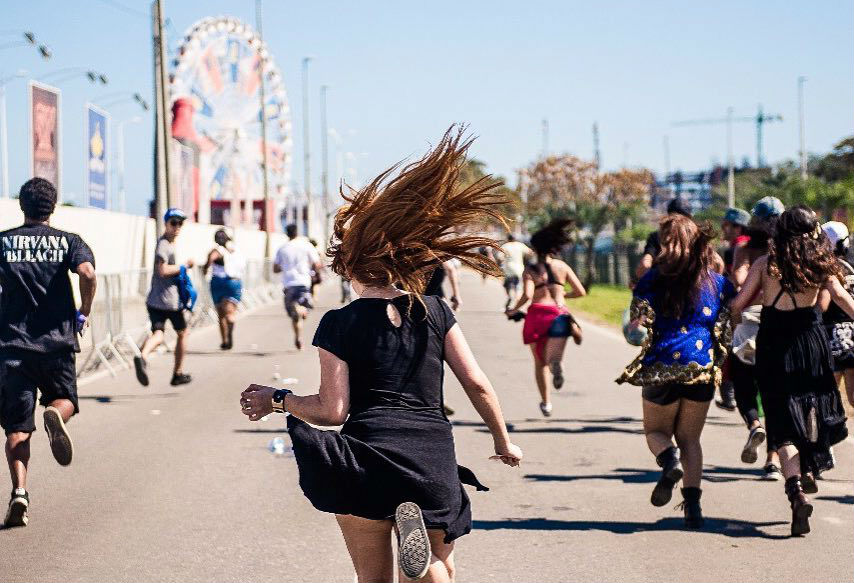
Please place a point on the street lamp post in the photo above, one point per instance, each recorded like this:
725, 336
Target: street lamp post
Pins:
305, 142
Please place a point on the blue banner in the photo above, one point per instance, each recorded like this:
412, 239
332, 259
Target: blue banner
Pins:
96, 161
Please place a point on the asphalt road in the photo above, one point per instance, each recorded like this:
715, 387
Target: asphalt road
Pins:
175, 485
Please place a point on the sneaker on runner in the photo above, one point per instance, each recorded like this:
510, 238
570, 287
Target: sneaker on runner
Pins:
139, 365
57, 435
413, 543
546, 409
16, 515
754, 440
772, 473
180, 379
557, 375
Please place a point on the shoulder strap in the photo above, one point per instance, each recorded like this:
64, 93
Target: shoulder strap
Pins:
777, 299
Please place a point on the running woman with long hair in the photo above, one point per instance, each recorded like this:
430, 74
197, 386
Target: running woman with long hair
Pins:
803, 409
227, 269
548, 323
392, 465
682, 302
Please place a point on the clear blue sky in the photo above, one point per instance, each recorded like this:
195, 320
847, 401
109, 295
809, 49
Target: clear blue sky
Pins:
402, 72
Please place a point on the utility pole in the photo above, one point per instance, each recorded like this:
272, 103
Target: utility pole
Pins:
596, 156
801, 128
162, 188
666, 141
730, 195
324, 145
545, 139
268, 218
305, 143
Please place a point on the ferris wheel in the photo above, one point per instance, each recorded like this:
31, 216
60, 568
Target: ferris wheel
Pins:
215, 88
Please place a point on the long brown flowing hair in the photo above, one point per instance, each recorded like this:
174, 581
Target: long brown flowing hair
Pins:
799, 253
397, 229
684, 263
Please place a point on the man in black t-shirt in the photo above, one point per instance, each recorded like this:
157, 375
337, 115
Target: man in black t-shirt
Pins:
39, 323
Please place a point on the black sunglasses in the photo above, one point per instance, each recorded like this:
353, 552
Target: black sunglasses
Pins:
176, 222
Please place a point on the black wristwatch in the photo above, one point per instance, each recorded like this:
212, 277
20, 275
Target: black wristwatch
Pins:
279, 400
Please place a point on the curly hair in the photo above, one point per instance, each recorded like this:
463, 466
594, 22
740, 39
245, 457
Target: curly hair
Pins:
37, 199
799, 254
397, 229
551, 238
684, 264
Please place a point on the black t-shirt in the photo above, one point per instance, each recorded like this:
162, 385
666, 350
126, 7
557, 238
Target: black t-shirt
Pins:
653, 245
37, 310
434, 284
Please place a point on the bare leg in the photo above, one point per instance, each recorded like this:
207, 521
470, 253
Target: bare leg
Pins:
790, 460
18, 457
369, 545
223, 325
442, 568
151, 343
230, 318
554, 350
297, 326
65, 408
689, 426
540, 375
849, 385
180, 348
659, 425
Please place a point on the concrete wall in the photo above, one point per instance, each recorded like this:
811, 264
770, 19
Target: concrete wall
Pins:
122, 242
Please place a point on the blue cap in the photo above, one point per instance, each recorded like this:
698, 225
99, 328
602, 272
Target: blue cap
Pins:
768, 207
174, 213
737, 217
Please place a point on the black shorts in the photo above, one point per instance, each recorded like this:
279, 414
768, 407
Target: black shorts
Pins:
158, 319
22, 372
511, 282
672, 392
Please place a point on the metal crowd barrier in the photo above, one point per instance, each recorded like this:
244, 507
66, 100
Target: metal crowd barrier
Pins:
118, 323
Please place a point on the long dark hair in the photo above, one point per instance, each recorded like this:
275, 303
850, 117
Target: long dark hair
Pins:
551, 239
684, 263
397, 229
800, 255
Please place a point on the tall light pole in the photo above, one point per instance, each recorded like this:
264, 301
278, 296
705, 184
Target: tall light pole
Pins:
306, 148
162, 187
730, 180
120, 154
324, 145
268, 222
801, 127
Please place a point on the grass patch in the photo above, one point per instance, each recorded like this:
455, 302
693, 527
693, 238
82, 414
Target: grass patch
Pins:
603, 302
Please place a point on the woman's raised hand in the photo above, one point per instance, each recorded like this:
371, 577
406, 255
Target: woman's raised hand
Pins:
511, 454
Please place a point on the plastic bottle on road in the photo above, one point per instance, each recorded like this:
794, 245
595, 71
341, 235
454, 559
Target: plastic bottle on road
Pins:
280, 448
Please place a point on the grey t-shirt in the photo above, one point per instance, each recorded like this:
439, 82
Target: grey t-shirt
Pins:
164, 290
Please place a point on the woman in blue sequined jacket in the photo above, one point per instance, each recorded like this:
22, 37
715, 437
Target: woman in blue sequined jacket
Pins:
682, 301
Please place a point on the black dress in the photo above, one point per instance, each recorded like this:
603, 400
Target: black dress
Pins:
397, 444
795, 374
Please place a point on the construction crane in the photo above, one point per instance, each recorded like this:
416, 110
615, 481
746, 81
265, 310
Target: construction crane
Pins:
760, 119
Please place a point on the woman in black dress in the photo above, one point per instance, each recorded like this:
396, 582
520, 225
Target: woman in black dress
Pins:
803, 412
382, 358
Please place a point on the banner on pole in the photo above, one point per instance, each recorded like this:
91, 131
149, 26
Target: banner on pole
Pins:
45, 159
97, 175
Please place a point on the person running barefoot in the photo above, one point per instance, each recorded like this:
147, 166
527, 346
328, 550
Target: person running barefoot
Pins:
548, 323
682, 302
227, 268
38, 334
164, 303
392, 466
803, 413
296, 260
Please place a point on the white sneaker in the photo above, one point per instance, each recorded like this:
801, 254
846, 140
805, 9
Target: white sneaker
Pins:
546, 409
754, 440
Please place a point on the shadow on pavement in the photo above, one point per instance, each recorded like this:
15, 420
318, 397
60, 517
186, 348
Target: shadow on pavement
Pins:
639, 476
115, 398
282, 430
237, 353
847, 499
585, 429
722, 526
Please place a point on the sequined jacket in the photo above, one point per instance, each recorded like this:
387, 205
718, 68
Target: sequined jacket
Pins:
689, 349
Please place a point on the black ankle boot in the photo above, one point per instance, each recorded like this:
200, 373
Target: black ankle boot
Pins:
671, 473
691, 507
801, 506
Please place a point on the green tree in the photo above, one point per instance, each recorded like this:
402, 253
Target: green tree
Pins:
474, 170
